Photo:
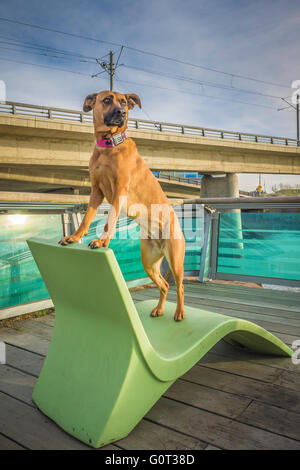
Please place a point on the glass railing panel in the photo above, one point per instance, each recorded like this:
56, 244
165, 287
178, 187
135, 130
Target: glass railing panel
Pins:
260, 244
20, 280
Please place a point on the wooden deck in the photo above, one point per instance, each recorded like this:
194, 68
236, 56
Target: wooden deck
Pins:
231, 399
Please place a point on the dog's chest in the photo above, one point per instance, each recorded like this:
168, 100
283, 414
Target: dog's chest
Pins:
105, 180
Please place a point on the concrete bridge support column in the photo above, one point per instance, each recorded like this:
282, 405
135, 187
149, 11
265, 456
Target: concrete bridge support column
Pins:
220, 186
226, 186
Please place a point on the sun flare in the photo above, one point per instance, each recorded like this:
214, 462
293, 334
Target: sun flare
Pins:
17, 219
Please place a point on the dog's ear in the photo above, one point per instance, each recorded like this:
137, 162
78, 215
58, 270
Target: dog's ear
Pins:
89, 102
132, 100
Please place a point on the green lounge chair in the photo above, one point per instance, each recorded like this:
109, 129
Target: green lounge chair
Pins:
109, 361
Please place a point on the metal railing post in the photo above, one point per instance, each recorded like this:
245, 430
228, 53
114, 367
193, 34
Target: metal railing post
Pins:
205, 255
214, 245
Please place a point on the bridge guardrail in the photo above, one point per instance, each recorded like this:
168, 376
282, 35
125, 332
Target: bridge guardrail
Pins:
180, 179
10, 107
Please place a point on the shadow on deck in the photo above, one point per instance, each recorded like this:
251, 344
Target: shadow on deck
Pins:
231, 399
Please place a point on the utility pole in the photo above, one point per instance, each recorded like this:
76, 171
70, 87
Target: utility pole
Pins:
297, 115
111, 70
109, 67
297, 110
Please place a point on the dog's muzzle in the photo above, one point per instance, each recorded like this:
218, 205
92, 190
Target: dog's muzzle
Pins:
116, 118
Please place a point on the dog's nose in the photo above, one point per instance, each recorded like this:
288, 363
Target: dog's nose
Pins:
119, 112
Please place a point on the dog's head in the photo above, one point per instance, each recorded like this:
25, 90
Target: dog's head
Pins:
110, 110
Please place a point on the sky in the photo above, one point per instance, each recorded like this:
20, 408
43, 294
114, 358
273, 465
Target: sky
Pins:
222, 40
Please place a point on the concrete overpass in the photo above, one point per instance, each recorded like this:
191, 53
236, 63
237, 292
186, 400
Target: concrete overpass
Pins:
48, 148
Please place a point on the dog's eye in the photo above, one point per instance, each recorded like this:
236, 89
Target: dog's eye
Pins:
123, 103
106, 100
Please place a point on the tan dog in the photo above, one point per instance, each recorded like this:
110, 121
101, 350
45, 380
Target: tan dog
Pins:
119, 174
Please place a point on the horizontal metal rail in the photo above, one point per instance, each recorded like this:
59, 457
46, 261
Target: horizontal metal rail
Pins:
284, 202
7, 207
179, 179
22, 109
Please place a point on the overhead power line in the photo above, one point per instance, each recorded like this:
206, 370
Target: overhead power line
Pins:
201, 82
49, 54
137, 84
134, 83
30, 45
210, 69
44, 66
204, 95
60, 32
179, 61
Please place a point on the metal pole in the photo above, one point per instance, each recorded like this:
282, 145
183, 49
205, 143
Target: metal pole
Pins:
297, 110
111, 70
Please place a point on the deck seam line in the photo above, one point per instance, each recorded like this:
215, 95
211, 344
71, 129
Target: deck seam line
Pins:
235, 419
243, 376
25, 349
22, 370
18, 399
13, 440
251, 361
179, 432
243, 396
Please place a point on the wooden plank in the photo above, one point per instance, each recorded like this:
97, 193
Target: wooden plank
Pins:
242, 386
289, 380
23, 360
291, 304
8, 444
47, 319
148, 436
244, 369
224, 349
220, 354
32, 429
216, 430
272, 418
234, 289
256, 371
216, 401
293, 316
241, 292
17, 384
35, 328
265, 291
24, 340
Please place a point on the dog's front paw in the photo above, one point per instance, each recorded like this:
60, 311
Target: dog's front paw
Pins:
69, 239
179, 315
156, 312
98, 243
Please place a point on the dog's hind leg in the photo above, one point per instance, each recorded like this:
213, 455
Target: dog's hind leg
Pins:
175, 250
151, 258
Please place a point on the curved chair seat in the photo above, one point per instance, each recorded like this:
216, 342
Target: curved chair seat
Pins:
109, 361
